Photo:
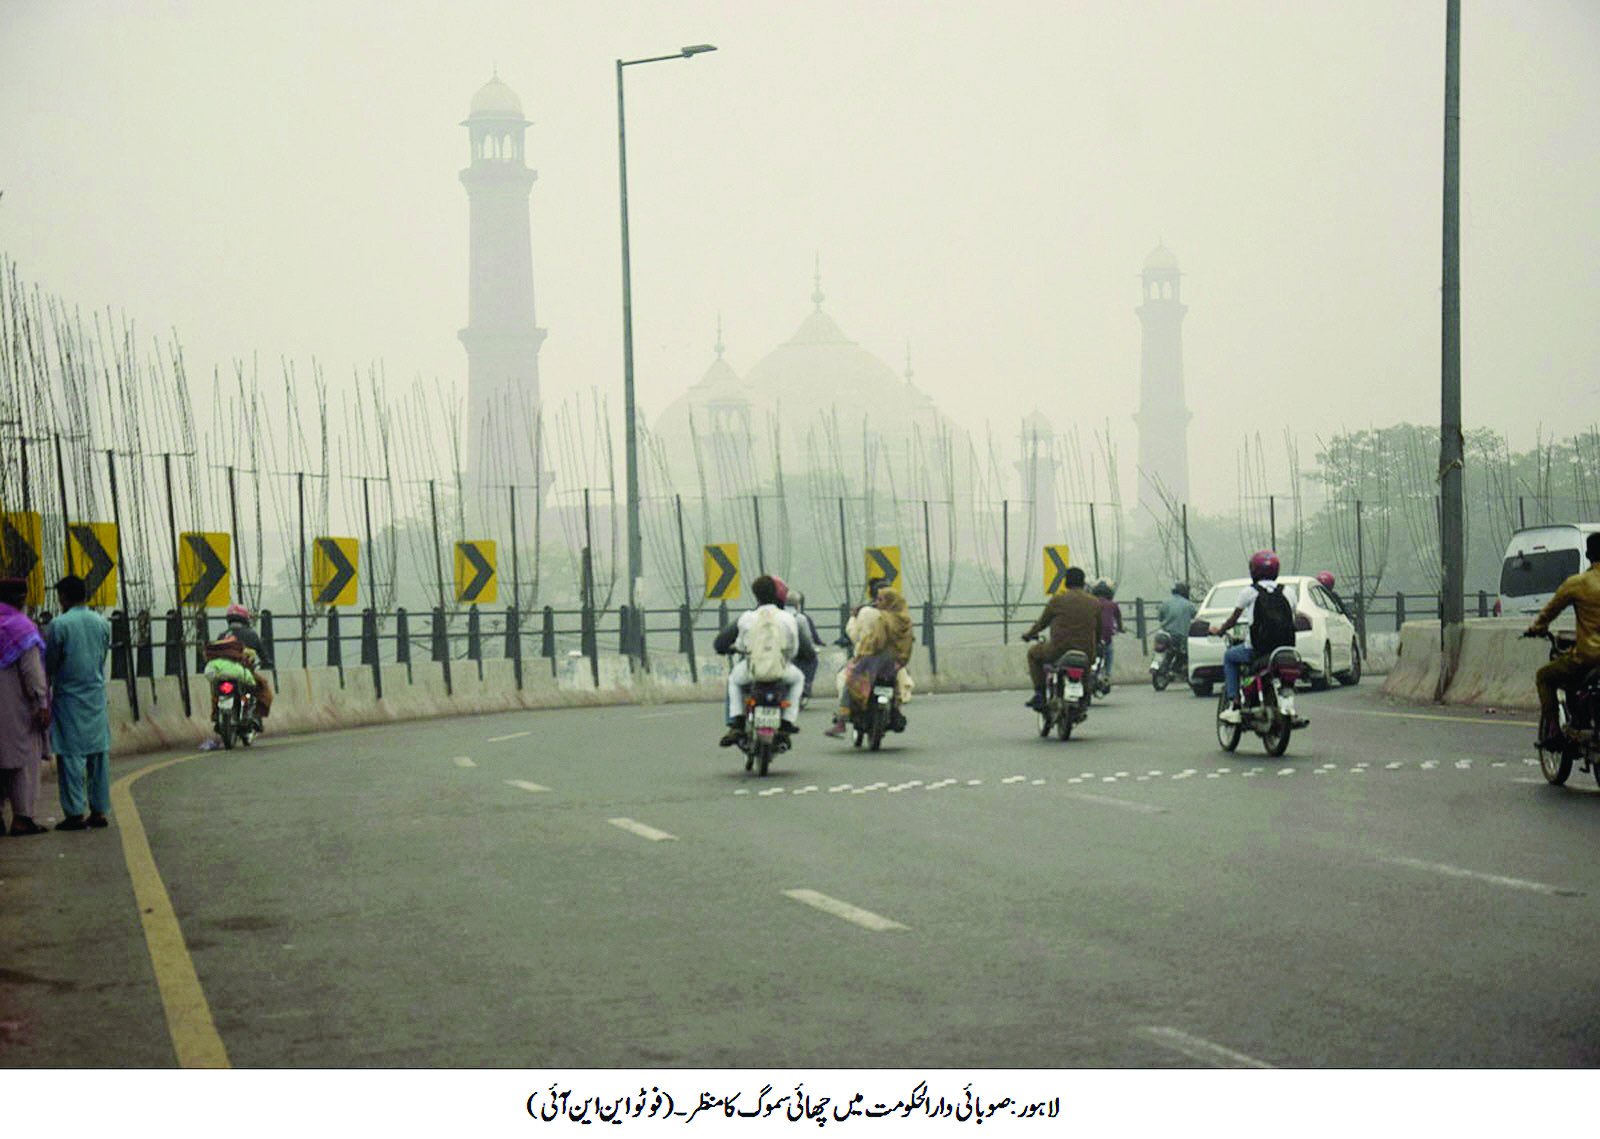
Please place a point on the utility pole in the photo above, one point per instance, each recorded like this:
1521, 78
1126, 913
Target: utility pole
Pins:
1451, 529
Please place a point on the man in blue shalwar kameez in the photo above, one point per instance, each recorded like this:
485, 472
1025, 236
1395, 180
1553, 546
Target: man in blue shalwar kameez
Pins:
76, 645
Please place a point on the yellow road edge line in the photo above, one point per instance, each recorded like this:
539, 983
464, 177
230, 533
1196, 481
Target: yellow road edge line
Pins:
194, 1033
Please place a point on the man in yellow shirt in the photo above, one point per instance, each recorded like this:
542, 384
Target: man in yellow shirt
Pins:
1582, 592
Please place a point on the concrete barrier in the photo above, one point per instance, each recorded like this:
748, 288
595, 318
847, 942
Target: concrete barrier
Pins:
1496, 666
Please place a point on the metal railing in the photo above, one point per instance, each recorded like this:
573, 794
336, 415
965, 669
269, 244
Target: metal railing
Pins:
146, 646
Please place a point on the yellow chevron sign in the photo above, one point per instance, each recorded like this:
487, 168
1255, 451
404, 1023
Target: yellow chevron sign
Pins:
722, 571
93, 557
1056, 561
203, 577
884, 562
21, 543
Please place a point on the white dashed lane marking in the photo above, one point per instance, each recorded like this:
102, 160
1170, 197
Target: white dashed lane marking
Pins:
463, 761
1199, 1049
638, 828
1478, 876
524, 785
512, 736
866, 919
1125, 804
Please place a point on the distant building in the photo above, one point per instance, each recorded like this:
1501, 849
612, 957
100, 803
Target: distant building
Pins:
1163, 418
502, 337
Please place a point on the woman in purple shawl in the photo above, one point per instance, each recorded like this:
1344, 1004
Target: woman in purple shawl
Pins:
24, 708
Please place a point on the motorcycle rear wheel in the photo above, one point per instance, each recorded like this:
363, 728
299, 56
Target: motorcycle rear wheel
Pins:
1159, 680
763, 756
1064, 724
880, 724
225, 730
1276, 738
1227, 734
1556, 766
1046, 721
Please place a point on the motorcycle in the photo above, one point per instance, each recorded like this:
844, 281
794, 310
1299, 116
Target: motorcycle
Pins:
1266, 703
235, 719
763, 736
1578, 717
880, 716
1066, 695
1171, 659
1100, 677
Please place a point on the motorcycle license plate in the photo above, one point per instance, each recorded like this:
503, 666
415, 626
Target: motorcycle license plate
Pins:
225, 702
1286, 702
767, 717
1074, 690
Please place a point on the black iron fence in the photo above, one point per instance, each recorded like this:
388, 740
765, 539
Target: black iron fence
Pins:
458, 643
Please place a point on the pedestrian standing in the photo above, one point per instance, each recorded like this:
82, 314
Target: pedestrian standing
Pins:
24, 708
76, 646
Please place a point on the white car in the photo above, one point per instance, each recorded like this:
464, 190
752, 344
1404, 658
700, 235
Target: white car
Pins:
1324, 636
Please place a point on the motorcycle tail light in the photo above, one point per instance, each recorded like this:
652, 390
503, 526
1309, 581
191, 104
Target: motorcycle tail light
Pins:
1289, 672
1074, 674
226, 688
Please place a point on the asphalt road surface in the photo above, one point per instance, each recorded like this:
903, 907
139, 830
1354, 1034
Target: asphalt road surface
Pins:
599, 888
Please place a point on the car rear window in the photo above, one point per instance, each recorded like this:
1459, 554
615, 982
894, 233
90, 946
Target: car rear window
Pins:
1542, 571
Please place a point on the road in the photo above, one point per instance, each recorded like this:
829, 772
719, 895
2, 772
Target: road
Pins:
604, 888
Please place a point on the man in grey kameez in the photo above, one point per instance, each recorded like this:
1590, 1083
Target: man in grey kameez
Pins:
76, 645
24, 708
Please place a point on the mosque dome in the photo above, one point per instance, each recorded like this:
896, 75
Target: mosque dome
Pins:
1161, 259
1034, 423
495, 99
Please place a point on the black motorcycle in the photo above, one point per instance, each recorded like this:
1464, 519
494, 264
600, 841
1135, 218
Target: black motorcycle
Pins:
763, 735
1577, 721
1066, 694
1171, 659
1266, 699
880, 716
235, 719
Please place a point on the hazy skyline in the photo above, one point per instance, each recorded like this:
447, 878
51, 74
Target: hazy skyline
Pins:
980, 184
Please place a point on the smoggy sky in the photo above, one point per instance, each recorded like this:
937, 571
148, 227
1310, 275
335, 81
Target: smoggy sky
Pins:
982, 182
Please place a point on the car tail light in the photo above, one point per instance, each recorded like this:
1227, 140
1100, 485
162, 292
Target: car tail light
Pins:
226, 688
1302, 623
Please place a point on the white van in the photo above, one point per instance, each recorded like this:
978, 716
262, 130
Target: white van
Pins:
1538, 560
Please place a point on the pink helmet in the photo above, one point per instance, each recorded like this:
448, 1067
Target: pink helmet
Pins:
1263, 564
782, 590
239, 611
1326, 579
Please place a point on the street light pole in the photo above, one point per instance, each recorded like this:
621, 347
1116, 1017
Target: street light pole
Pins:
630, 426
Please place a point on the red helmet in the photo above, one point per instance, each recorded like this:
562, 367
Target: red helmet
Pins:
1326, 579
1263, 564
239, 611
781, 589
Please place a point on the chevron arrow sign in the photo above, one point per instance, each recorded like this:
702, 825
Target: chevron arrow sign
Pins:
95, 560
475, 575
884, 562
1056, 561
333, 571
722, 571
203, 578
19, 551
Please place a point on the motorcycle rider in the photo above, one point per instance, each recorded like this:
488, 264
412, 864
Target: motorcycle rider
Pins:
1073, 618
1177, 612
240, 629
855, 632
1325, 579
770, 594
1110, 621
1264, 567
1582, 592
808, 636
882, 650
229, 658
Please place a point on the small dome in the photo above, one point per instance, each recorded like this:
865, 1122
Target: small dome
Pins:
1161, 258
1036, 424
495, 98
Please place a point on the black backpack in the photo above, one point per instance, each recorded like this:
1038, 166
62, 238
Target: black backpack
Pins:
1272, 621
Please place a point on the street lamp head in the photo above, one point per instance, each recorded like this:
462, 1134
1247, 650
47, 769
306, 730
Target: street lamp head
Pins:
696, 49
